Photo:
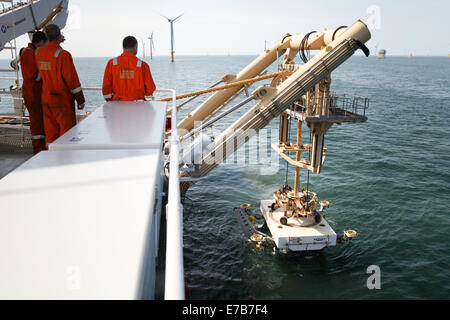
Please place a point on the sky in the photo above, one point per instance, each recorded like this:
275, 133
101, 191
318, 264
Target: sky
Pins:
219, 27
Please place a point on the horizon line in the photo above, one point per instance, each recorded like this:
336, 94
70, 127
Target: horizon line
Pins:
246, 55
251, 55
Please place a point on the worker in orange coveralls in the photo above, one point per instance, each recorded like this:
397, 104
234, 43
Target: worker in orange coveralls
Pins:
32, 90
127, 78
61, 86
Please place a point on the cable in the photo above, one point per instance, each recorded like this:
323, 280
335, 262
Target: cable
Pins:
303, 45
167, 167
335, 31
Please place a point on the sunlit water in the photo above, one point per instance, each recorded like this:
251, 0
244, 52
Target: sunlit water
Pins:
389, 179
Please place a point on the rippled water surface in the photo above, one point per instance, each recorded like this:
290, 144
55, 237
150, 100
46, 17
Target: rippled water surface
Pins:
389, 179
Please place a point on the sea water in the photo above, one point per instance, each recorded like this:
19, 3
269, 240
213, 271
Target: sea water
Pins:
389, 179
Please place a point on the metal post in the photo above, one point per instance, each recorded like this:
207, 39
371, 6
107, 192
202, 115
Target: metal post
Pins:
298, 155
174, 278
171, 41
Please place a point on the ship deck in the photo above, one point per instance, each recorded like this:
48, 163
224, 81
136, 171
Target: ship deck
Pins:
15, 144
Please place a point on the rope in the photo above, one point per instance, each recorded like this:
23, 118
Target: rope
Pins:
227, 86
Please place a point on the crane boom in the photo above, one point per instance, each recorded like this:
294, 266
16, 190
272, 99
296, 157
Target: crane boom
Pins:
24, 17
273, 101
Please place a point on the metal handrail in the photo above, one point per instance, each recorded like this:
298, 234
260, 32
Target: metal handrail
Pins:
174, 278
350, 105
100, 89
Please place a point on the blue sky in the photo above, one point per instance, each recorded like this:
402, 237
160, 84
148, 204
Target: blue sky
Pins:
96, 28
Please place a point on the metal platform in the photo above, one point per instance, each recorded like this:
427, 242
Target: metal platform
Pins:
15, 138
342, 108
15, 144
294, 237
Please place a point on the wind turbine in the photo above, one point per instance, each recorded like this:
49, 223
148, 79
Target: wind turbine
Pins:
143, 46
152, 46
171, 21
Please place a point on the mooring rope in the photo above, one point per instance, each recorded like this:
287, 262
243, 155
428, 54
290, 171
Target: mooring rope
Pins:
227, 86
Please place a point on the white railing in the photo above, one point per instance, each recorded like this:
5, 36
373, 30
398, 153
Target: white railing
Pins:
174, 281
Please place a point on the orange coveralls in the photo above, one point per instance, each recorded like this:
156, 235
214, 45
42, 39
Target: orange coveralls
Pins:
32, 91
60, 88
127, 78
